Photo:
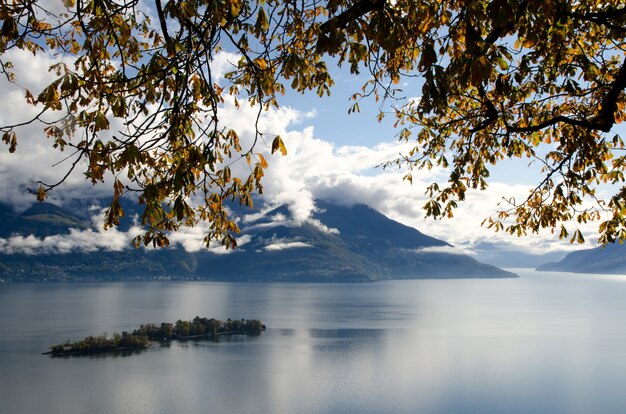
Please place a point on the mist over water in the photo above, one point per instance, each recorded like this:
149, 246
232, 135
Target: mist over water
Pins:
546, 342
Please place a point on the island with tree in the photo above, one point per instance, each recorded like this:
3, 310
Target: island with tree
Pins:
197, 328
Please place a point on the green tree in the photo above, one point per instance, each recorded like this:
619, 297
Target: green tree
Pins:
183, 328
536, 79
254, 326
167, 330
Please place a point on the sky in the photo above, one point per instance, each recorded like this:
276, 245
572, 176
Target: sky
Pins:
331, 155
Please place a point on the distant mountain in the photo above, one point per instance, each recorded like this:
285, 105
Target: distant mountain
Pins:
339, 244
361, 225
610, 259
509, 256
40, 220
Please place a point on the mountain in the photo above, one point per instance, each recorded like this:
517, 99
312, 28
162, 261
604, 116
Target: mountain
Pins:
40, 220
610, 259
339, 244
510, 256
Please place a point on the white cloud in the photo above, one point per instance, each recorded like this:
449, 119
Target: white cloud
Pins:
275, 220
192, 240
89, 240
286, 245
445, 249
223, 63
96, 238
35, 159
319, 225
317, 169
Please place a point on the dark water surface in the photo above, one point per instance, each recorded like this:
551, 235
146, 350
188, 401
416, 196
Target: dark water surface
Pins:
544, 343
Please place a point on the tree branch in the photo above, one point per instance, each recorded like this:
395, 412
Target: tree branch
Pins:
163, 22
492, 112
561, 119
354, 12
602, 18
606, 117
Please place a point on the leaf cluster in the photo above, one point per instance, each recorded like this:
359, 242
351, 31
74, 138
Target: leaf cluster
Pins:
536, 80
533, 79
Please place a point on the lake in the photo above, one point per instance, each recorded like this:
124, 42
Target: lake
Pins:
546, 342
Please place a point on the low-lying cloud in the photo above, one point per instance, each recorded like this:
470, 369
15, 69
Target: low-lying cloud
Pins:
446, 249
77, 240
286, 245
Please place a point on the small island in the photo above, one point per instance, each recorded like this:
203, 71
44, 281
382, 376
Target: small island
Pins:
197, 328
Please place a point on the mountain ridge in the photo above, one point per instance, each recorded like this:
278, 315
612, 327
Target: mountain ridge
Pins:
340, 244
609, 259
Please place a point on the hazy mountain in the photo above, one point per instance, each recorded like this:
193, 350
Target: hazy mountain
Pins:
340, 244
609, 259
509, 256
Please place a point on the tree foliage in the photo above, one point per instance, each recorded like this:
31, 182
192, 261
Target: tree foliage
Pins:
536, 79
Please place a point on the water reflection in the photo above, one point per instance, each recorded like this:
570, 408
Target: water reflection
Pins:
541, 343
100, 355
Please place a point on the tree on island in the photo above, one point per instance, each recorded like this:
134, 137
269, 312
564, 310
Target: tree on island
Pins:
536, 79
198, 327
101, 344
140, 338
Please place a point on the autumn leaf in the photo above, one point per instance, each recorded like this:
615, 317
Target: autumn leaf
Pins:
279, 145
41, 194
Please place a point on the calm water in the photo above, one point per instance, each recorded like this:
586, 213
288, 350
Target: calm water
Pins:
547, 342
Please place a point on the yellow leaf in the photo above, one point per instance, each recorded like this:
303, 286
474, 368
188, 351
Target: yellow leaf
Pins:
41, 193
278, 144
260, 63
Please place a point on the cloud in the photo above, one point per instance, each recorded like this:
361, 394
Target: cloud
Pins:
223, 63
263, 214
96, 238
320, 226
286, 245
89, 240
317, 169
191, 239
446, 249
35, 159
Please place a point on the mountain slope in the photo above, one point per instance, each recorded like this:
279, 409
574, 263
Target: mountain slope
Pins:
340, 244
610, 259
40, 220
511, 256
360, 223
